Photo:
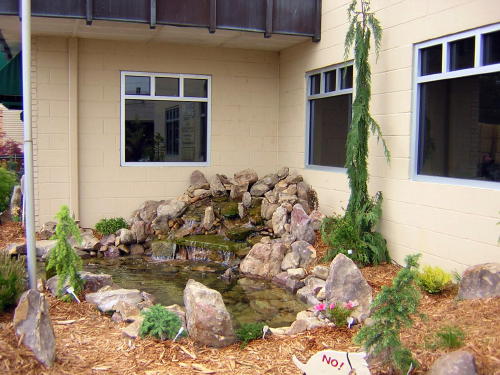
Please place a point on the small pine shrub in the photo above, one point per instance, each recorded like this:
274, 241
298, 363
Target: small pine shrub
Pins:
63, 258
449, 337
12, 279
392, 311
339, 315
7, 182
433, 279
160, 323
110, 226
248, 332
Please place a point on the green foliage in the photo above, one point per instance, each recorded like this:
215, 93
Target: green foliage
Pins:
12, 279
7, 182
353, 235
392, 310
248, 332
433, 279
457, 277
160, 323
110, 226
448, 337
63, 258
339, 315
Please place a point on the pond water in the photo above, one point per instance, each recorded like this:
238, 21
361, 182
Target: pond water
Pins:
247, 300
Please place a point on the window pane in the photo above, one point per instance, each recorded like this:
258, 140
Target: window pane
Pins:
462, 54
329, 123
491, 48
346, 78
196, 88
315, 82
166, 86
330, 80
165, 131
431, 60
137, 85
459, 128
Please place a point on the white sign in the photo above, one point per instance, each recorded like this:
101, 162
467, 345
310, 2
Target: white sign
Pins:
332, 362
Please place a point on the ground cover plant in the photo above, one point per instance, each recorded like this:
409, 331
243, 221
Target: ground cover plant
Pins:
110, 226
447, 337
160, 323
12, 279
63, 260
433, 279
354, 234
248, 332
337, 312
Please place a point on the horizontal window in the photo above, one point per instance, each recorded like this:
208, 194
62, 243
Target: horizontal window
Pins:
169, 126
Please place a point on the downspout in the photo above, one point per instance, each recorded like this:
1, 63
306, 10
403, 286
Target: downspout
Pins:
28, 143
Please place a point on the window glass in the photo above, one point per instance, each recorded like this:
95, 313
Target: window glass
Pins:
462, 54
431, 60
330, 81
167, 86
459, 127
196, 88
346, 77
329, 122
315, 82
491, 48
165, 131
137, 85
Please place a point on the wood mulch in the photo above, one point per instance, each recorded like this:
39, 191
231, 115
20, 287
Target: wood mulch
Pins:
88, 342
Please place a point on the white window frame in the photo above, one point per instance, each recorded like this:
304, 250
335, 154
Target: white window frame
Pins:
153, 96
323, 94
446, 73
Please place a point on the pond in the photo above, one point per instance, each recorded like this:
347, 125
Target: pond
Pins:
247, 300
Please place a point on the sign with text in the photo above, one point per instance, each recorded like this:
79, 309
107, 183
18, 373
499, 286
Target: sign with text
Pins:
332, 362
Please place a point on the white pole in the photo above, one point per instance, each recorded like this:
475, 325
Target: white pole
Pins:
28, 142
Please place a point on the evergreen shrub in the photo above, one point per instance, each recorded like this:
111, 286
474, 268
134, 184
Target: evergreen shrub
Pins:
433, 279
7, 182
248, 332
160, 323
110, 226
12, 279
449, 337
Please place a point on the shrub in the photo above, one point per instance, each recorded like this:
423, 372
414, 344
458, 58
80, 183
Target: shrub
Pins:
336, 312
110, 226
12, 279
7, 182
63, 258
433, 279
248, 332
160, 323
449, 337
392, 310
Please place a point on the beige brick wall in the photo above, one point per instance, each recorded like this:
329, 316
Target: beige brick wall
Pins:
244, 121
452, 226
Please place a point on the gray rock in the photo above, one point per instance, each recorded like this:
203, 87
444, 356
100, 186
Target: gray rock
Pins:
89, 242
125, 237
44, 247
198, 181
138, 228
293, 178
149, 210
288, 282
459, 362
106, 300
112, 252
246, 199
267, 209
208, 321
305, 252
136, 249
317, 218
132, 330
321, 295
242, 212
259, 189
291, 260
287, 239
217, 187
290, 190
279, 220
237, 191
272, 196
283, 173
48, 230
125, 312
480, 281
208, 218
301, 225
246, 176
305, 321
270, 180
307, 295
202, 193
303, 190
16, 201
280, 186
321, 272
346, 283
315, 284
33, 324
108, 240
305, 205
171, 209
287, 198
296, 273
163, 249
264, 260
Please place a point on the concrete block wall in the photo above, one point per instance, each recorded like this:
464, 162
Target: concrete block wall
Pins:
452, 226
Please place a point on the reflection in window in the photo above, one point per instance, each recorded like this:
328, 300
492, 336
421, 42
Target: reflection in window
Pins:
459, 126
196, 88
137, 85
167, 86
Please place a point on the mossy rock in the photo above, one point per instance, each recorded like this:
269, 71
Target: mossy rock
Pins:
239, 233
254, 239
163, 249
210, 242
229, 209
254, 213
243, 252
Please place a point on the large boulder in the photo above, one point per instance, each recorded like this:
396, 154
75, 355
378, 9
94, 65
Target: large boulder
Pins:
148, 210
301, 225
246, 176
259, 189
198, 181
33, 325
346, 283
171, 209
125, 237
139, 229
237, 191
305, 252
480, 281
264, 260
459, 362
216, 186
267, 209
291, 260
106, 299
208, 321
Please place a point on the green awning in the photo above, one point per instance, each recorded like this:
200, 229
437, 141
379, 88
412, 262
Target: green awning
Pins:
11, 84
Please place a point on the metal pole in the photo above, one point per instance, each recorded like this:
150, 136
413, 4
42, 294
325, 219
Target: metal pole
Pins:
28, 142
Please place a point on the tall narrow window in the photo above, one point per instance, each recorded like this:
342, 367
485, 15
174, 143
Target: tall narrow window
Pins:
329, 108
165, 118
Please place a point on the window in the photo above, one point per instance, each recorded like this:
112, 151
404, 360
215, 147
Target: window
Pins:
458, 108
165, 119
329, 101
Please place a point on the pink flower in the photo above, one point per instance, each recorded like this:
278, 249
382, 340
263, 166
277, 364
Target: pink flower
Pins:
332, 306
350, 305
320, 307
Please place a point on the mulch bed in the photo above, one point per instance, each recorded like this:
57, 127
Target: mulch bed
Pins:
93, 344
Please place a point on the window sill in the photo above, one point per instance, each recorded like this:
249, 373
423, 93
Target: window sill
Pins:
165, 164
484, 184
325, 168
